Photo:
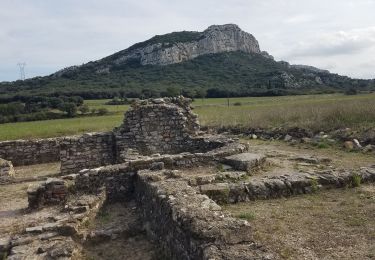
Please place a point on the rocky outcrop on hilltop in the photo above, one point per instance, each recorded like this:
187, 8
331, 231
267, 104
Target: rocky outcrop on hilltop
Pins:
215, 39
219, 60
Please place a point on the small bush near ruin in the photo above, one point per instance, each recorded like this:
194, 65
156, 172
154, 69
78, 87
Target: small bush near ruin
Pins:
356, 180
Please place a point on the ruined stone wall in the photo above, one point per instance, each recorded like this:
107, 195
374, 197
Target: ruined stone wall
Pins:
117, 181
188, 225
28, 152
86, 151
157, 126
52, 191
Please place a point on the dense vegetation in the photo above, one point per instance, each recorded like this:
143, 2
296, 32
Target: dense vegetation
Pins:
232, 74
168, 39
42, 108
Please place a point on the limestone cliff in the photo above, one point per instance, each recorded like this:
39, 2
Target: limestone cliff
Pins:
215, 39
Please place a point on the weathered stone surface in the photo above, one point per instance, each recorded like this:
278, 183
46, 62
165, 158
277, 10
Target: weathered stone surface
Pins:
245, 161
216, 39
52, 191
349, 145
117, 181
86, 151
193, 226
26, 152
285, 185
4, 246
162, 126
7, 172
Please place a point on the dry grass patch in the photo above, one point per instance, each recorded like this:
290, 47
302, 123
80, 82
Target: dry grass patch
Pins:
335, 224
317, 113
341, 159
37, 170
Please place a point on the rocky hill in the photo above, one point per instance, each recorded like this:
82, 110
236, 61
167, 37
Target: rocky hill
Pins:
222, 60
179, 47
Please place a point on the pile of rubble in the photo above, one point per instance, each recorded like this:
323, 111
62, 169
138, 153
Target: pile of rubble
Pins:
52, 191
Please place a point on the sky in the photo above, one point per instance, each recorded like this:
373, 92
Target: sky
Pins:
48, 35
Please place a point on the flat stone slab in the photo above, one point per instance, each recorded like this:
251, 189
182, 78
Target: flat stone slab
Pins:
245, 161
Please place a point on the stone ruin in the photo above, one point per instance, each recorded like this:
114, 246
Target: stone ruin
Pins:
144, 161
151, 127
157, 126
7, 172
51, 192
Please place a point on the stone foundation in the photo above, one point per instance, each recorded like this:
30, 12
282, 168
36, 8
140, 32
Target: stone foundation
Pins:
284, 185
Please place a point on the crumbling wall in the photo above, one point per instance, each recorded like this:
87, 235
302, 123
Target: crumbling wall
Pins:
86, 151
118, 181
28, 152
52, 191
157, 126
188, 225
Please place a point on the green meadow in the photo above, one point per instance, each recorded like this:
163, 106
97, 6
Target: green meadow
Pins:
315, 112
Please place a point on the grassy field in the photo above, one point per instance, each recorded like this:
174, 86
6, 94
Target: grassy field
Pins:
316, 112
334, 224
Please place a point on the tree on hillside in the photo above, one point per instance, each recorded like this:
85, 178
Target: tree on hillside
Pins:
173, 91
69, 108
201, 93
84, 109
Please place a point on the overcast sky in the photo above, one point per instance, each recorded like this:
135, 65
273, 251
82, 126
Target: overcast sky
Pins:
338, 35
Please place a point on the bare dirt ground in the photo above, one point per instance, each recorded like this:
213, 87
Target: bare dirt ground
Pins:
128, 240
37, 171
14, 216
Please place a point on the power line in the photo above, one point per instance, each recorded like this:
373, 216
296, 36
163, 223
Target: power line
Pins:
21, 66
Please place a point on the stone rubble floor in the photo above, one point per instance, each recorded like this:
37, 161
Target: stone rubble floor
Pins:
113, 232
281, 159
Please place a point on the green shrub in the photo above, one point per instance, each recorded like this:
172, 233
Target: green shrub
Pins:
351, 91
220, 167
314, 185
237, 104
356, 180
102, 111
322, 145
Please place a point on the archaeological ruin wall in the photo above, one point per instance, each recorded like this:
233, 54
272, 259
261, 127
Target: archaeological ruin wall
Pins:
28, 152
86, 151
157, 126
153, 126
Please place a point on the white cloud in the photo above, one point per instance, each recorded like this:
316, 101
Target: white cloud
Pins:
336, 43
